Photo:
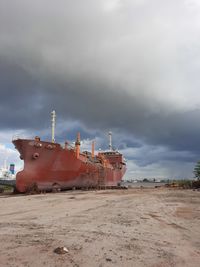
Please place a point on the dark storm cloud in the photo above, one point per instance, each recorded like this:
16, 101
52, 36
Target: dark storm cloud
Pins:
130, 66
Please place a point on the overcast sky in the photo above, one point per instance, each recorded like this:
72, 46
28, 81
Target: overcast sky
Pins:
130, 66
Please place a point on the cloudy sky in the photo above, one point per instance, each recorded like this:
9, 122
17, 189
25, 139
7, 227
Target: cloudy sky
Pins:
129, 66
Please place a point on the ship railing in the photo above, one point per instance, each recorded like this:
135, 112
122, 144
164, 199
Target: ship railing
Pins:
71, 147
20, 136
16, 137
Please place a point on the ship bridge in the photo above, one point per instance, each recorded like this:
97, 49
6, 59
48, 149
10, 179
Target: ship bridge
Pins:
114, 157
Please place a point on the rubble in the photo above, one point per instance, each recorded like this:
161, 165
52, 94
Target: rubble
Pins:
61, 250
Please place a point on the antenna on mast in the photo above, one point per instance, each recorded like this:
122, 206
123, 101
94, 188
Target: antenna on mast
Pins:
53, 121
110, 141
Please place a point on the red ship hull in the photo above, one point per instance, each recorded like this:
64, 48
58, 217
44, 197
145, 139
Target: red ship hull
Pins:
48, 165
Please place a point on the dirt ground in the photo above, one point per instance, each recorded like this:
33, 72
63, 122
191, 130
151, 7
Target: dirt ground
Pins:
135, 227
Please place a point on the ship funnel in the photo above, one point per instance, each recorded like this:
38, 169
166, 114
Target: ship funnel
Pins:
53, 121
77, 145
110, 141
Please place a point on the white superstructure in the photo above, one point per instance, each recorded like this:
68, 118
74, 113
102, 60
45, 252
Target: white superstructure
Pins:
5, 173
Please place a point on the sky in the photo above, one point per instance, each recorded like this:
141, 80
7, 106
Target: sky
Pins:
127, 66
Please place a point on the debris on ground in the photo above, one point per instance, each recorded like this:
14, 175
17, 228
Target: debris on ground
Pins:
61, 250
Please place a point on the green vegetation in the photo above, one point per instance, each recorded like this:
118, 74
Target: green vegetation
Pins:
197, 170
145, 180
6, 188
186, 184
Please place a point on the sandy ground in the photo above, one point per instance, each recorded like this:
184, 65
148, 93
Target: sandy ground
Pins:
135, 227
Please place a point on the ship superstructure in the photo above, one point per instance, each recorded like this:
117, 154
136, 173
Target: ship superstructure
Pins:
7, 173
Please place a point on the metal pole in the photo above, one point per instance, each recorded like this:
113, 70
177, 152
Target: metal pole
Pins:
110, 141
53, 120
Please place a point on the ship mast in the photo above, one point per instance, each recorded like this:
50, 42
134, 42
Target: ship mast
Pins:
53, 124
110, 141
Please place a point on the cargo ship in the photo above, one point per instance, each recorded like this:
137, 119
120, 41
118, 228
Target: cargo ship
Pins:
49, 166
